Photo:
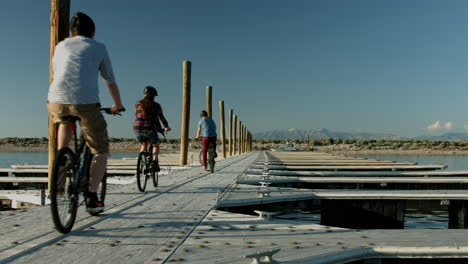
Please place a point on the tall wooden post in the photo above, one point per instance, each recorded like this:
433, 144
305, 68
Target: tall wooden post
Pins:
240, 137
251, 142
59, 30
186, 71
244, 139
247, 141
234, 133
209, 93
230, 131
223, 135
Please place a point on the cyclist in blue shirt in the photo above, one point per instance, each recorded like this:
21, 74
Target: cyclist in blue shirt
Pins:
207, 131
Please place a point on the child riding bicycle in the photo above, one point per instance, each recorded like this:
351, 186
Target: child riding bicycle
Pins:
206, 130
74, 92
148, 118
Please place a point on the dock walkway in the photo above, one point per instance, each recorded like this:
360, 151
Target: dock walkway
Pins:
136, 227
179, 223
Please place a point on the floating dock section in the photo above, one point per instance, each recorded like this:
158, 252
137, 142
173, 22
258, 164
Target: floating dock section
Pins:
228, 216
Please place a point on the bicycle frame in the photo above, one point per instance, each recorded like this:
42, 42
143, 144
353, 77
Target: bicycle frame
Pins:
81, 174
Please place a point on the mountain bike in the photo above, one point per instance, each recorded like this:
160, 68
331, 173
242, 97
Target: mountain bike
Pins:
144, 168
70, 177
210, 157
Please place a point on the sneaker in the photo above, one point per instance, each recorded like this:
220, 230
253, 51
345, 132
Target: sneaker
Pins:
93, 205
155, 166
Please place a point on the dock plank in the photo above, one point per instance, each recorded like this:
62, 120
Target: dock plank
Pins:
151, 220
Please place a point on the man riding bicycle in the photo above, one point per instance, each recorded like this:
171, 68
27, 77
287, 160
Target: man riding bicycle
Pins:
206, 130
148, 118
74, 92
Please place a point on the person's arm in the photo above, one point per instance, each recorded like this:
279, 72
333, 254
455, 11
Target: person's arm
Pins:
115, 94
107, 75
199, 128
163, 120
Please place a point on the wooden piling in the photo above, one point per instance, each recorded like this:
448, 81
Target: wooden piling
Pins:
246, 139
230, 131
59, 30
234, 138
186, 71
209, 93
240, 137
223, 136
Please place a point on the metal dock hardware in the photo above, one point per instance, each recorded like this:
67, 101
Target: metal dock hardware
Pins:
267, 216
263, 257
263, 194
264, 184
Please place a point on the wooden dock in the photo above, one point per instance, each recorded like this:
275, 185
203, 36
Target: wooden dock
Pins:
179, 223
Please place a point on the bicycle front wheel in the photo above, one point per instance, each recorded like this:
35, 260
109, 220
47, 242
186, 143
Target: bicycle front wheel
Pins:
142, 170
64, 191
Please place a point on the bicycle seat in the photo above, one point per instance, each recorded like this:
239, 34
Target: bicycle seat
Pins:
68, 119
143, 139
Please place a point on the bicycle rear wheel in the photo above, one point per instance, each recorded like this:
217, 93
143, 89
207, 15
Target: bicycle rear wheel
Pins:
200, 158
64, 191
102, 188
142, 169
211, 160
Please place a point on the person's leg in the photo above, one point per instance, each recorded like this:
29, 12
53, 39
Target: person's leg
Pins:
64, 132
213, 145
64, 135
97, 171
156, 151
94, 129
204, 149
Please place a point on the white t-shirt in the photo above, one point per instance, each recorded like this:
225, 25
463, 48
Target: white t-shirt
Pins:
76, 63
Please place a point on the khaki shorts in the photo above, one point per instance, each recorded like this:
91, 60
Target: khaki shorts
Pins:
91, 121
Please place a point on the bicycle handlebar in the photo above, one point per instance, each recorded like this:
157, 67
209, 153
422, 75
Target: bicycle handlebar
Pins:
108, 111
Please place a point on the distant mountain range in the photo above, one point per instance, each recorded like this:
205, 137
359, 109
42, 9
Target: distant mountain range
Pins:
320, 133
323, 133
447, 136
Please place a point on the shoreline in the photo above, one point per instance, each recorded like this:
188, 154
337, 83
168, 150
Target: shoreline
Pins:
334, 149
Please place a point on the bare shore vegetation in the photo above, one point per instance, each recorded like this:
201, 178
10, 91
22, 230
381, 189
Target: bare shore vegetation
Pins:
325, 145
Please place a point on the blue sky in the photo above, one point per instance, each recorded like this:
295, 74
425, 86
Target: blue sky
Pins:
395, 66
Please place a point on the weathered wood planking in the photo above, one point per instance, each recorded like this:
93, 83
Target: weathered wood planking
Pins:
227, 237
354, 168
248, 195
306, 174
136, 227
251, 179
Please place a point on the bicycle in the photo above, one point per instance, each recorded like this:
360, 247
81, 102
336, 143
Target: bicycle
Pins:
70, 177
144, 168
210, 157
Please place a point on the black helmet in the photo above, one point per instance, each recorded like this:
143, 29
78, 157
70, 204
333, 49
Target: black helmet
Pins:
82, 24
150, 91
204, 113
